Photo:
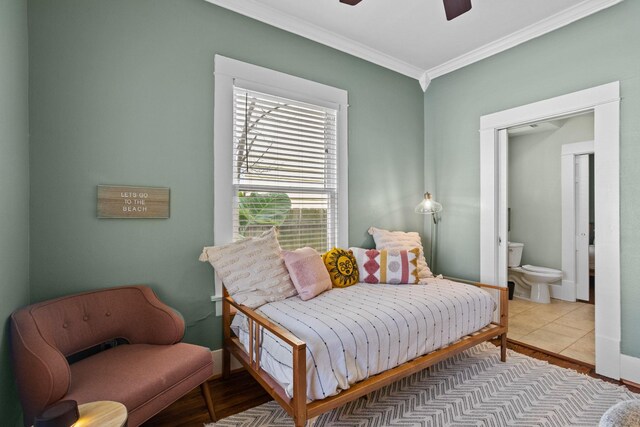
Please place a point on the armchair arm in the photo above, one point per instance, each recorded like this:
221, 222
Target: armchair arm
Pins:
41, 371
160, 324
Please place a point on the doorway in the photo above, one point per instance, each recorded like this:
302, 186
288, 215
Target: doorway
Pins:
604, 102
548, 201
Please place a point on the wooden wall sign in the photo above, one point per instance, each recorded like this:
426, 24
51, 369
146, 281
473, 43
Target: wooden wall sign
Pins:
121, 201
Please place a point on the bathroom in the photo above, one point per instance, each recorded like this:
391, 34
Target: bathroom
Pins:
551, 236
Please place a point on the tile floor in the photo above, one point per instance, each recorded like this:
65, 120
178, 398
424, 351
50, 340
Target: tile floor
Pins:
566, 328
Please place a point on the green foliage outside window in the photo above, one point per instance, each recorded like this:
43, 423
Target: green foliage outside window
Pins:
262, 209
298, 227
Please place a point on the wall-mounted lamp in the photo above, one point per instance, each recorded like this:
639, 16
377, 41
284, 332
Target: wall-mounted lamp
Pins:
428, 206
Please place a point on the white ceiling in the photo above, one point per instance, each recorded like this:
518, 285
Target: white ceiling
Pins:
413, 37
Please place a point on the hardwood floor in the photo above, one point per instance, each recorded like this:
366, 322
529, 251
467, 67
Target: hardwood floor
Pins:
241, 392
231, 396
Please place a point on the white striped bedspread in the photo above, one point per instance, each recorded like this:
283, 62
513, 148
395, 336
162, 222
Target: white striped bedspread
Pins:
359, 331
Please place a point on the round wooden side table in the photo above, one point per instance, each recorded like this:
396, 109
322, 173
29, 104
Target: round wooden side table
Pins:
103, 413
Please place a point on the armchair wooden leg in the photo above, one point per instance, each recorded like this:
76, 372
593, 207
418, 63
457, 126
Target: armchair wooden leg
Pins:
503, 347
206, 394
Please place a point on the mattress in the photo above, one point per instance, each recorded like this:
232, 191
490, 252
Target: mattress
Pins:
356, 332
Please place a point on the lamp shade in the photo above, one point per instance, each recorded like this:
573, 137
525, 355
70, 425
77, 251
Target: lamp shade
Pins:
61, 414
428, 206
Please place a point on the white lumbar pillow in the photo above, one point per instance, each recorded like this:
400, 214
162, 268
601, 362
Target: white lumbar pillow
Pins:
402, 240
252, 270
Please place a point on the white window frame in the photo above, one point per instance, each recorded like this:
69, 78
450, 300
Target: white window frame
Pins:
253, 77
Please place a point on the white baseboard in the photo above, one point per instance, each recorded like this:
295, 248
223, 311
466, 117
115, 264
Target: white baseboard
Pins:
630, 368
216, 355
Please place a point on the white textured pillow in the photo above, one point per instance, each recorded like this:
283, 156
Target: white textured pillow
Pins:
386, 239
252, 270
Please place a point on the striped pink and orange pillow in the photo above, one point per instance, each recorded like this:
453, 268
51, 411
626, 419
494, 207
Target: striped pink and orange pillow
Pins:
394, 266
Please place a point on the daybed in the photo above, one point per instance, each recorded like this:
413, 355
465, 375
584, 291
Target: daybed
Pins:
313, 356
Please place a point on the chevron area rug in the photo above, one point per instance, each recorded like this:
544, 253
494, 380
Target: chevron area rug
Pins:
471, 389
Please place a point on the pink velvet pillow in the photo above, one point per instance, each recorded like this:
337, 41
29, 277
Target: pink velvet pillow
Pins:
307, 271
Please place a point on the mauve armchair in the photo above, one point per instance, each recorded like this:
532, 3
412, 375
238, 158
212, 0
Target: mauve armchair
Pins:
143, 364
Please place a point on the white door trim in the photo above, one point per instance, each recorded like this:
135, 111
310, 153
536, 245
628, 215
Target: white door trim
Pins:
577, 148
503, 200
604, 101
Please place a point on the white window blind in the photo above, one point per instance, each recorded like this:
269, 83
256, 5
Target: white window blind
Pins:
284, 170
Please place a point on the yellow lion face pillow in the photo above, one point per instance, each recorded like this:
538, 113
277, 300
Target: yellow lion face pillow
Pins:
342, 267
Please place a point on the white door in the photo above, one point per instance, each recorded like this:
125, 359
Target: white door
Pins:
582, 226
575, 222
503, 203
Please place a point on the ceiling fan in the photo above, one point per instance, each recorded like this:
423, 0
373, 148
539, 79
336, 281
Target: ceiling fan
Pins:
452, 8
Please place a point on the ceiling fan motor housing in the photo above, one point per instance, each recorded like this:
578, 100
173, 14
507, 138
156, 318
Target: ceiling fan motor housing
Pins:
455, 8
452, 8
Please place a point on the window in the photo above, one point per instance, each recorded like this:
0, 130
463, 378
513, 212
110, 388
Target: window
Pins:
280, 157
284, 170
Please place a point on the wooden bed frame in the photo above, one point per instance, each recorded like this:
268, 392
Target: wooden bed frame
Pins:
297, 406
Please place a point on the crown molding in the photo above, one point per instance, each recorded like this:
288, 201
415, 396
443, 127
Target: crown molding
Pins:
286, 22
254, 9
424, 81
561, 19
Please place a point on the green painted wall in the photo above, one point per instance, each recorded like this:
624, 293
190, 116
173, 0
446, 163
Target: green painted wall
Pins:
14, 187
535, 190
596, 50
121, 92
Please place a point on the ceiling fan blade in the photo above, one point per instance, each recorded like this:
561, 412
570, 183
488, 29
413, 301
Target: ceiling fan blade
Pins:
350, 2
455, 8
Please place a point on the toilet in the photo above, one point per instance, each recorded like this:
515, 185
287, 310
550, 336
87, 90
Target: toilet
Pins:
532, 282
